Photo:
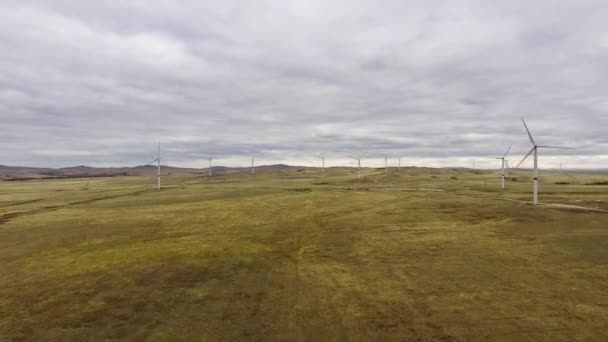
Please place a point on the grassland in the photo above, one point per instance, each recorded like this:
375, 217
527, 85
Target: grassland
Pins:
293, 256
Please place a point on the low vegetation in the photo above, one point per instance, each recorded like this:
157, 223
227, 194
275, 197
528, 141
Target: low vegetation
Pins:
237, 257
598, 183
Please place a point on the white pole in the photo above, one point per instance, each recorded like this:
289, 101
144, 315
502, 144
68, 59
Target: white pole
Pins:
323, 168
399, 164
252, 166
535, 175
385, 164
158, 167
503, 173
359, 163
210, 172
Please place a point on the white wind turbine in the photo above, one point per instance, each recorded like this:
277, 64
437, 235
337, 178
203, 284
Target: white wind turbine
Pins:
504, 164
358, 159
322, 157
535, 151
385, 164
210, 170
253, 166
398, 163
157, 161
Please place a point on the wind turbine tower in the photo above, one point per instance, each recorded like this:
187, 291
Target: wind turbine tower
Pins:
322, 157
535, 151
358, 159
158, 167
157, 161
386, 164
399, 164
210, 171
253, 166
504, 164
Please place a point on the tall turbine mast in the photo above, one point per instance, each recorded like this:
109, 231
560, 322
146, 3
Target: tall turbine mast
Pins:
358, 159
210, 171
504, 165
399, 164
322, 157
157, 161
253, 166
535, 151
385, 164
158, 167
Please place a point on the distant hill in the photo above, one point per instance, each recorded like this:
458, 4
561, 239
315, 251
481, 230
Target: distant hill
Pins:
12, 173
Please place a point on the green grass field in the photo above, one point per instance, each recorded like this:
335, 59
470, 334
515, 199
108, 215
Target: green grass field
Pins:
292, 256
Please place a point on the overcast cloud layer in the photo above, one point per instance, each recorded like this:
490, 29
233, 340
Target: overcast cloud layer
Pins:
437, 82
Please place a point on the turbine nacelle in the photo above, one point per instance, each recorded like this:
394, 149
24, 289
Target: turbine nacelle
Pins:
535, 147
506, 153
534, 150
359, 156
358, 159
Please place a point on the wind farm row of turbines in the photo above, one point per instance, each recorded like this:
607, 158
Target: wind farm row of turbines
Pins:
505, 168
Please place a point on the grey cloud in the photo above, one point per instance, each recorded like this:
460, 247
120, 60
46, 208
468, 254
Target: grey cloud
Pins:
85, 82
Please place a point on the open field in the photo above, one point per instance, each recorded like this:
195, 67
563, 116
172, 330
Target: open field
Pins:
422, 254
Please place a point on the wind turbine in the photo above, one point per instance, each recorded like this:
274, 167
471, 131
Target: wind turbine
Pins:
358, 159
535, 151
504, 164
157, 161
322, 157
210, 172
385, 164
253, 166
399, 164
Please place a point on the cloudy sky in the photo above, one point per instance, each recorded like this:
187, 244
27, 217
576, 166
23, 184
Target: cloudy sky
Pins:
436, 82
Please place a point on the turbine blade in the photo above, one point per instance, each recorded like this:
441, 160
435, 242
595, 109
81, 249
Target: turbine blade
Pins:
527, 130
526, 157
509, 149
560, 147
